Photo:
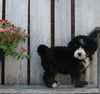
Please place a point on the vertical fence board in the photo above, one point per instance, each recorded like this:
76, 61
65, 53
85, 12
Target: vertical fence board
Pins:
39, 34
16, 13
62, 29
62, 22
98, 42
87, 17
0, 9
0, 18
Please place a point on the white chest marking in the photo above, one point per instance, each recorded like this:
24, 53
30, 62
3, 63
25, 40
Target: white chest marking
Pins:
86, 63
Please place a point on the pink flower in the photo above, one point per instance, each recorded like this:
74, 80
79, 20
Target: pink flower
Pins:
13, 27
12, 31
1, 29
5, 30
11, 37
8, 29
21, 34
24, 50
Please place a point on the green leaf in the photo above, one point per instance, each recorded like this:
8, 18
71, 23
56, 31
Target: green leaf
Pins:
8, 53
27, 35
24, 40
18, 29
14, 56
18, 57
22, 57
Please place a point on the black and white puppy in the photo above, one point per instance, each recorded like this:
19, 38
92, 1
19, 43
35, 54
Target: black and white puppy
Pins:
73, 59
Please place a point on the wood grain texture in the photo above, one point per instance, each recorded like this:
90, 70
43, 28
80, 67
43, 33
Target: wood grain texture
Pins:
41, 89
62, 22
98, 42
87, 15
0, 9
62, 30
0, 18
17, 14
39, 34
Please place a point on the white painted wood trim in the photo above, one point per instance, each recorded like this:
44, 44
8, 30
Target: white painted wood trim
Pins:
40, 33
17, 14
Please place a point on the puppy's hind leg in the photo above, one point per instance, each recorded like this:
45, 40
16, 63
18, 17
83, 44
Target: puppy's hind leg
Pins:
49, 79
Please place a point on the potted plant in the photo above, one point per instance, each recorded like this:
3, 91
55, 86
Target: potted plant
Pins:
10, 36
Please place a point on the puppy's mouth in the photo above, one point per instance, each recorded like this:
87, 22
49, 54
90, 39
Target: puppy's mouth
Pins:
80, 54
80, 57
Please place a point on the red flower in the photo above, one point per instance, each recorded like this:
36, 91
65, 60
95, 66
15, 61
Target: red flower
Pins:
3, 21
13, 25
11, 37
4, 39
24, 50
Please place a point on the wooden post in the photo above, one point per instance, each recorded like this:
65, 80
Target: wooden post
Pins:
96, 35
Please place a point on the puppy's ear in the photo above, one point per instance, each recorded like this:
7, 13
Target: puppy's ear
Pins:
70, 44
92, 46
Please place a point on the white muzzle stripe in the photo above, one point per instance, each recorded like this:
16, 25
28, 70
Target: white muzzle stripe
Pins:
80, 53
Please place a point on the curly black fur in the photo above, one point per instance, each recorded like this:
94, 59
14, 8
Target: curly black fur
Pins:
61, 60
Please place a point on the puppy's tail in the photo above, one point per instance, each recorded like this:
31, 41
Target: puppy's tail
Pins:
42, 49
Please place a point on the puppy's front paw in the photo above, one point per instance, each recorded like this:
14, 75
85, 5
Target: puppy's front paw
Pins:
85, 83
52, 85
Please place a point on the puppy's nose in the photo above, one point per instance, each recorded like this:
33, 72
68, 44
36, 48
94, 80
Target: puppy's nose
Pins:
79, 54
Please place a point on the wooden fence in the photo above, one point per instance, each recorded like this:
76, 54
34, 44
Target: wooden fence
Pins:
35, 17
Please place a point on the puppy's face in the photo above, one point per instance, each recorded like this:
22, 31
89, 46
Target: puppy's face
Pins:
80, 53
82, 47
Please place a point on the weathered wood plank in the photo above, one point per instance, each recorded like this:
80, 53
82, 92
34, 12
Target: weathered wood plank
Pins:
0, 18
41, 89
87, 15
39, 34
62, 29
98, 42
17, 13
0, 9
62, 22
